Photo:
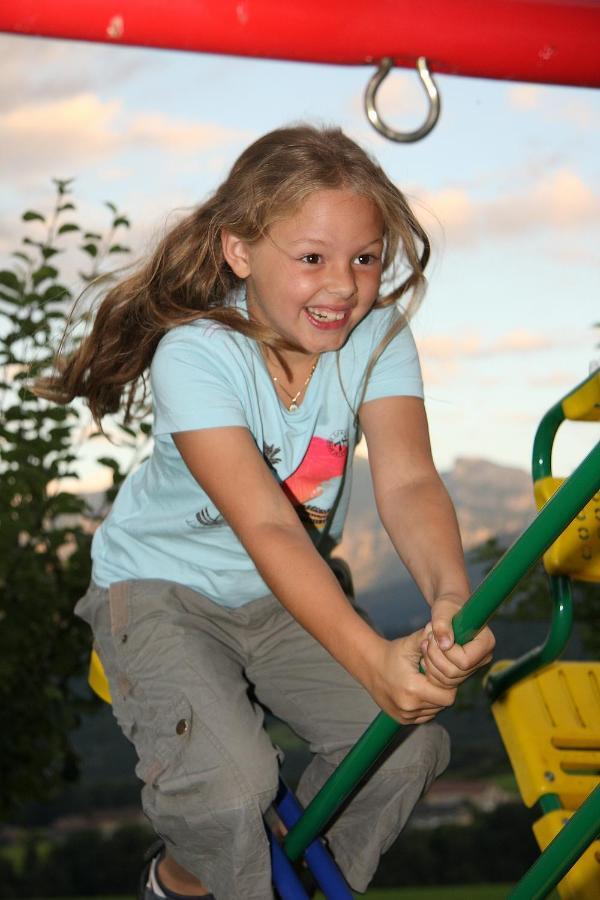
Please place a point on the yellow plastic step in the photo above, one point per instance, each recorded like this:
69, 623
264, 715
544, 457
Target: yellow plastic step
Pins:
582, 881
583, 404
550, 725
576, 553
97, 679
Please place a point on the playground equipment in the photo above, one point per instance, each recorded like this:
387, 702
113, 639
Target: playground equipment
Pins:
548, 41
548, 712
549, 720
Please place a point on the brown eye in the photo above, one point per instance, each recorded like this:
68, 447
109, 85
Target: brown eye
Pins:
365, 258
312, 259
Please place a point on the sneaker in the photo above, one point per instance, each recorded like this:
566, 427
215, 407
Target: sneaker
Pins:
155, 851
149, 886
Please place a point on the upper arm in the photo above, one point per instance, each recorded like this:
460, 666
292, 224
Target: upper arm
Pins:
397, 437
230, 469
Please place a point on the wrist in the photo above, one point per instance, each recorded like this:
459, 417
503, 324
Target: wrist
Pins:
368, 661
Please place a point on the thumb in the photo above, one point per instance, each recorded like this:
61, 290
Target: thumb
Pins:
441, 622
414, 641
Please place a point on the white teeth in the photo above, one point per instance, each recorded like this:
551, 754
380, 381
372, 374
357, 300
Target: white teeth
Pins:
325, 315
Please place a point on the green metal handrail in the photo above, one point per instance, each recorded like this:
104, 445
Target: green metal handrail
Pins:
498, 683
562, 853
550, 522
560, 591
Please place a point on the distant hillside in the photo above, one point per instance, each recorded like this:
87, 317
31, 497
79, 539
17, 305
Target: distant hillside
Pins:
490, 500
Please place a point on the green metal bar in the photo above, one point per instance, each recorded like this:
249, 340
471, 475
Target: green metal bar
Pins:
541, 463
549, 802
560, 630
560, 588
563, 852
548, 525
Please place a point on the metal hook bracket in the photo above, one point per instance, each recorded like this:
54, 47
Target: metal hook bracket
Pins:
405, 137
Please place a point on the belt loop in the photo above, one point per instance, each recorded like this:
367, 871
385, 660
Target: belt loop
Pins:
119, 609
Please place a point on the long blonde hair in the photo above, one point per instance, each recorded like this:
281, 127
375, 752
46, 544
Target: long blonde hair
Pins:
187, 278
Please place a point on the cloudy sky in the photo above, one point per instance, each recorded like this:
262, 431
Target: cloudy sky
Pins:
508, 185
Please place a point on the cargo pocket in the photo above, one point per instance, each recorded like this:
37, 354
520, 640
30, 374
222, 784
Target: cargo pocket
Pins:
162, 760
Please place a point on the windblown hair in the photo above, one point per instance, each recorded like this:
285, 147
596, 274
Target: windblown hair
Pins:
187, 277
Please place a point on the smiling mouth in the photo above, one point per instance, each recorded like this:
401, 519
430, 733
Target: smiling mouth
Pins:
326, 315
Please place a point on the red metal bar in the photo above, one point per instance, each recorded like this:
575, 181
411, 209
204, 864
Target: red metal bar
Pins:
551, 41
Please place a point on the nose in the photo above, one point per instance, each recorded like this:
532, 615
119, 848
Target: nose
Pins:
341, 281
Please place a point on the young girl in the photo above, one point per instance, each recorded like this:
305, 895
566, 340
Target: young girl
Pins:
271, 345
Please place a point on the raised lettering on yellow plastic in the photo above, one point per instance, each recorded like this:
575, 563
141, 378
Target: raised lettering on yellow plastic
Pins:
576, 553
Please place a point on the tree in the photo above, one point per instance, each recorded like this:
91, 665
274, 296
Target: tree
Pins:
45, 532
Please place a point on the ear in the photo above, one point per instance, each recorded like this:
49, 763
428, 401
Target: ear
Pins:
235, 251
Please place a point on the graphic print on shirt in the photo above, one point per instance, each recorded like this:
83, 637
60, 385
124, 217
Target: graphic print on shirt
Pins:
206, 518
324, 460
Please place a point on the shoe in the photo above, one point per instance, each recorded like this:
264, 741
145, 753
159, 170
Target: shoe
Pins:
145, 891
155, 851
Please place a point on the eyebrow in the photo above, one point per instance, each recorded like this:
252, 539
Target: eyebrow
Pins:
310, 240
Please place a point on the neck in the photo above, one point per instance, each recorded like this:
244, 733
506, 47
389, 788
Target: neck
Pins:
291, 391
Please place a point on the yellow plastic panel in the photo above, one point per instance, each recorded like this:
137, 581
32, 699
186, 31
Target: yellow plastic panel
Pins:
576, 553
582, 881
550, 725
97, 679
584, 403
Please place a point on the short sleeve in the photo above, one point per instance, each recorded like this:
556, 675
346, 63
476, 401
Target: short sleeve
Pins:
193, 378
397, 371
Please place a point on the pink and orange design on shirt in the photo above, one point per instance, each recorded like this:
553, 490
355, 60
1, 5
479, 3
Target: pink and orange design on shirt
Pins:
324, 460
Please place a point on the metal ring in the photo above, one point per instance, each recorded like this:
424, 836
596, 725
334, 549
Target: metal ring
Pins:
404, 137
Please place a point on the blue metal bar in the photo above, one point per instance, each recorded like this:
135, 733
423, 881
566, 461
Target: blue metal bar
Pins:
289, 886
319, 860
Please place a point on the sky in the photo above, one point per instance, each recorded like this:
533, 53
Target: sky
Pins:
508, 185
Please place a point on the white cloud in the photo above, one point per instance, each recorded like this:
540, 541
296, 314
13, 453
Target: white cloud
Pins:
65, 131
82, 129
524, 96
560, 199
559, 378
399, 95
554, 107
442, 354
523, 341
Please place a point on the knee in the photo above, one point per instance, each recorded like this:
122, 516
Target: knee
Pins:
426, 748
247, 787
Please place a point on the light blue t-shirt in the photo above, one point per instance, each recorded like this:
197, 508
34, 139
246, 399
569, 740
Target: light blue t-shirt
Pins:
204, 375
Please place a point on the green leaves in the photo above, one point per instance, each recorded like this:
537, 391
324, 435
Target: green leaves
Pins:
42, 274
45, 532
31, 215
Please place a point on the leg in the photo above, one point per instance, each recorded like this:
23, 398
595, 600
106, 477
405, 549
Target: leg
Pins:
209, 769
302, 684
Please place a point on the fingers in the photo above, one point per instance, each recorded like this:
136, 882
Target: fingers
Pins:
449, 668
405, 693
421, 700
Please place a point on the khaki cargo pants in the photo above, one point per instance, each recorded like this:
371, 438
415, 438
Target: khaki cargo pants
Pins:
184, 673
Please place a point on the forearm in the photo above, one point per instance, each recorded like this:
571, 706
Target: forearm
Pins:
303, 582
420, 519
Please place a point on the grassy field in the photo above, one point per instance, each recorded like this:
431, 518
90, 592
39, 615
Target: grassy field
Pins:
454, 892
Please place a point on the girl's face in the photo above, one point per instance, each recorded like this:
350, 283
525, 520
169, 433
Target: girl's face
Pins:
317, 272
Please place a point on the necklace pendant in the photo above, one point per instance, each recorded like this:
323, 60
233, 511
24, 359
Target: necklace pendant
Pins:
293, 407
